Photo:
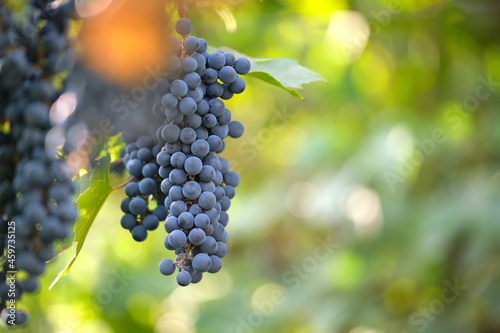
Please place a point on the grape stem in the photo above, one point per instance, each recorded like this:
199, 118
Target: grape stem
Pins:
123, 185
120, 160
182, 8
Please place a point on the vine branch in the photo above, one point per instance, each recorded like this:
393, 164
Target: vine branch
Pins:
123, 185
182, 8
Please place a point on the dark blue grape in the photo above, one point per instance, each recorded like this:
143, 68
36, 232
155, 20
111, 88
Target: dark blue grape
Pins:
128, 221
171, 224
216, 60
177, 239
221, 250
202, 262
232, 178
163, 158
193, 165
230, 59
170, 133
209, 246
179, 88
207, 186
188, 65
178, 159
147, 186
207, 173
203, 45
183, 278
210, 76
225, 203
161, 212
201, 221
185, 220
139, 233
227, 74
187, 136
150, 222
137, 206
124, 205
177, 177
183, 26
242, 66
206, 200
200, 148
132, 189
134, 167
238, 86
235, 129
187, 106
175, 193
202, 107
191, 44
216, 264
197, 236
214, 142
149, 170
169, 101
216, 89
209, 120
193, 80
178, 207
167, 267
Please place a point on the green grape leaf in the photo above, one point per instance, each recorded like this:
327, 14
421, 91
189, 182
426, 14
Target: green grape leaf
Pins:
283, 73
113, 147
89, 203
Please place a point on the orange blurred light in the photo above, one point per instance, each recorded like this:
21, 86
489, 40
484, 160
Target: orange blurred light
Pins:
126, 38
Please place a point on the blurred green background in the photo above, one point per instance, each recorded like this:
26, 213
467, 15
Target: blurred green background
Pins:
370, 207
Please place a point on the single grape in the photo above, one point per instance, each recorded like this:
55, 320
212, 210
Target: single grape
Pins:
183, 278
132, 189
185, 220
209, 246
147, 186
201, 221
137, 206
139, 233
197, 236
206, 200
169, 101
187, 106
189, 65
128, 221
179, 88
242, 66
183, 26
170, 133
167, 267
227, 74
202, 262
177, 239
193, 165
216, 60
221, 250
200, 148
191, 44
216, 264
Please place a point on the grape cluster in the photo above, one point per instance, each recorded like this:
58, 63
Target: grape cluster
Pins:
194, 182
141, 163
35, 185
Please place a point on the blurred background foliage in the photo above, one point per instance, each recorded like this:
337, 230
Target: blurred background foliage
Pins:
370, 207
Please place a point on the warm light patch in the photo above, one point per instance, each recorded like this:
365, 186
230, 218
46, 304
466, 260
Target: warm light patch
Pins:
126, 39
